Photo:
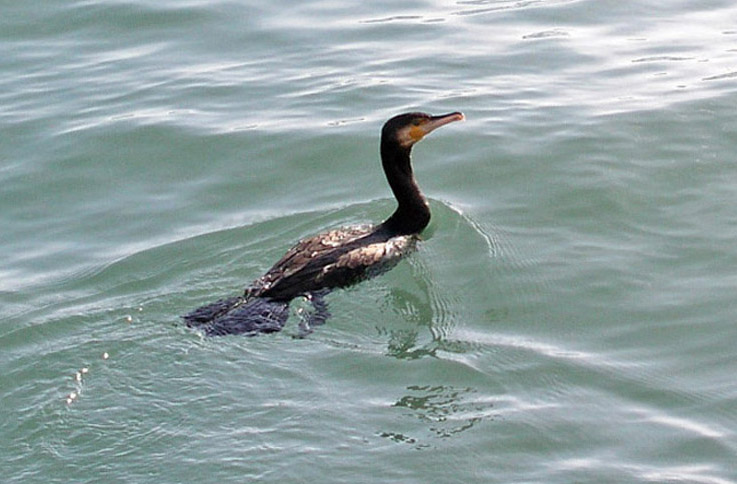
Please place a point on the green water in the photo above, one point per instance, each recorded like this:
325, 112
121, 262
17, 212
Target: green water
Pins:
569, 316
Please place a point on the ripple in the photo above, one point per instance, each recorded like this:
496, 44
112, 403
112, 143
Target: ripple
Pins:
660, 58
546, 34
728, 75
479, 7
446, 410
396, 18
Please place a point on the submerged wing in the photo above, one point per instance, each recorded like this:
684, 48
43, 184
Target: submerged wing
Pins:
253, 317
209, 312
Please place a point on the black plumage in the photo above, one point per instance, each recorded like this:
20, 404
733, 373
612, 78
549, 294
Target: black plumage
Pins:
336, 258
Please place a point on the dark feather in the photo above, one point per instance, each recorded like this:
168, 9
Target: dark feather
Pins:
252, 317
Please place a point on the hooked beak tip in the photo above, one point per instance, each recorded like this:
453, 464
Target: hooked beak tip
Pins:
443, 119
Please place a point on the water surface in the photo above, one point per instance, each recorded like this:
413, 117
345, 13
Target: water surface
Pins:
569, 316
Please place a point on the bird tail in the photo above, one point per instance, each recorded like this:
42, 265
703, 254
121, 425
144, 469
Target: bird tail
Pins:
238, 315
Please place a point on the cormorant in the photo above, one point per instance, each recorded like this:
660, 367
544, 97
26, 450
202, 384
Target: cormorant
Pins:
336, 258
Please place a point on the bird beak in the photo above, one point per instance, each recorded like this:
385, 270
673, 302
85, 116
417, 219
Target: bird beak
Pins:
437, 121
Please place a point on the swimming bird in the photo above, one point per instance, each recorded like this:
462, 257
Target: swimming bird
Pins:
337, 258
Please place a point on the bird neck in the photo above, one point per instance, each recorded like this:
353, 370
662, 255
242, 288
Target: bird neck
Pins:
412, 213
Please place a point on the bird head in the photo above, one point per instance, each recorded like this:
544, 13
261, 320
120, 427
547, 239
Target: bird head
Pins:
409, 128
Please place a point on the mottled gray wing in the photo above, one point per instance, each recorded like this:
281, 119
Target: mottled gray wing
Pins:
301, 263
366, 261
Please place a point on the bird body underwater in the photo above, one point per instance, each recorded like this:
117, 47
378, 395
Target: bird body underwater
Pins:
337, 258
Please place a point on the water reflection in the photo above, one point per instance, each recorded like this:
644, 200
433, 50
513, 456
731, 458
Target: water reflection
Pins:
446, 410
440, 296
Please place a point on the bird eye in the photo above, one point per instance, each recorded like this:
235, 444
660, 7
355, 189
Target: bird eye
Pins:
416, 122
